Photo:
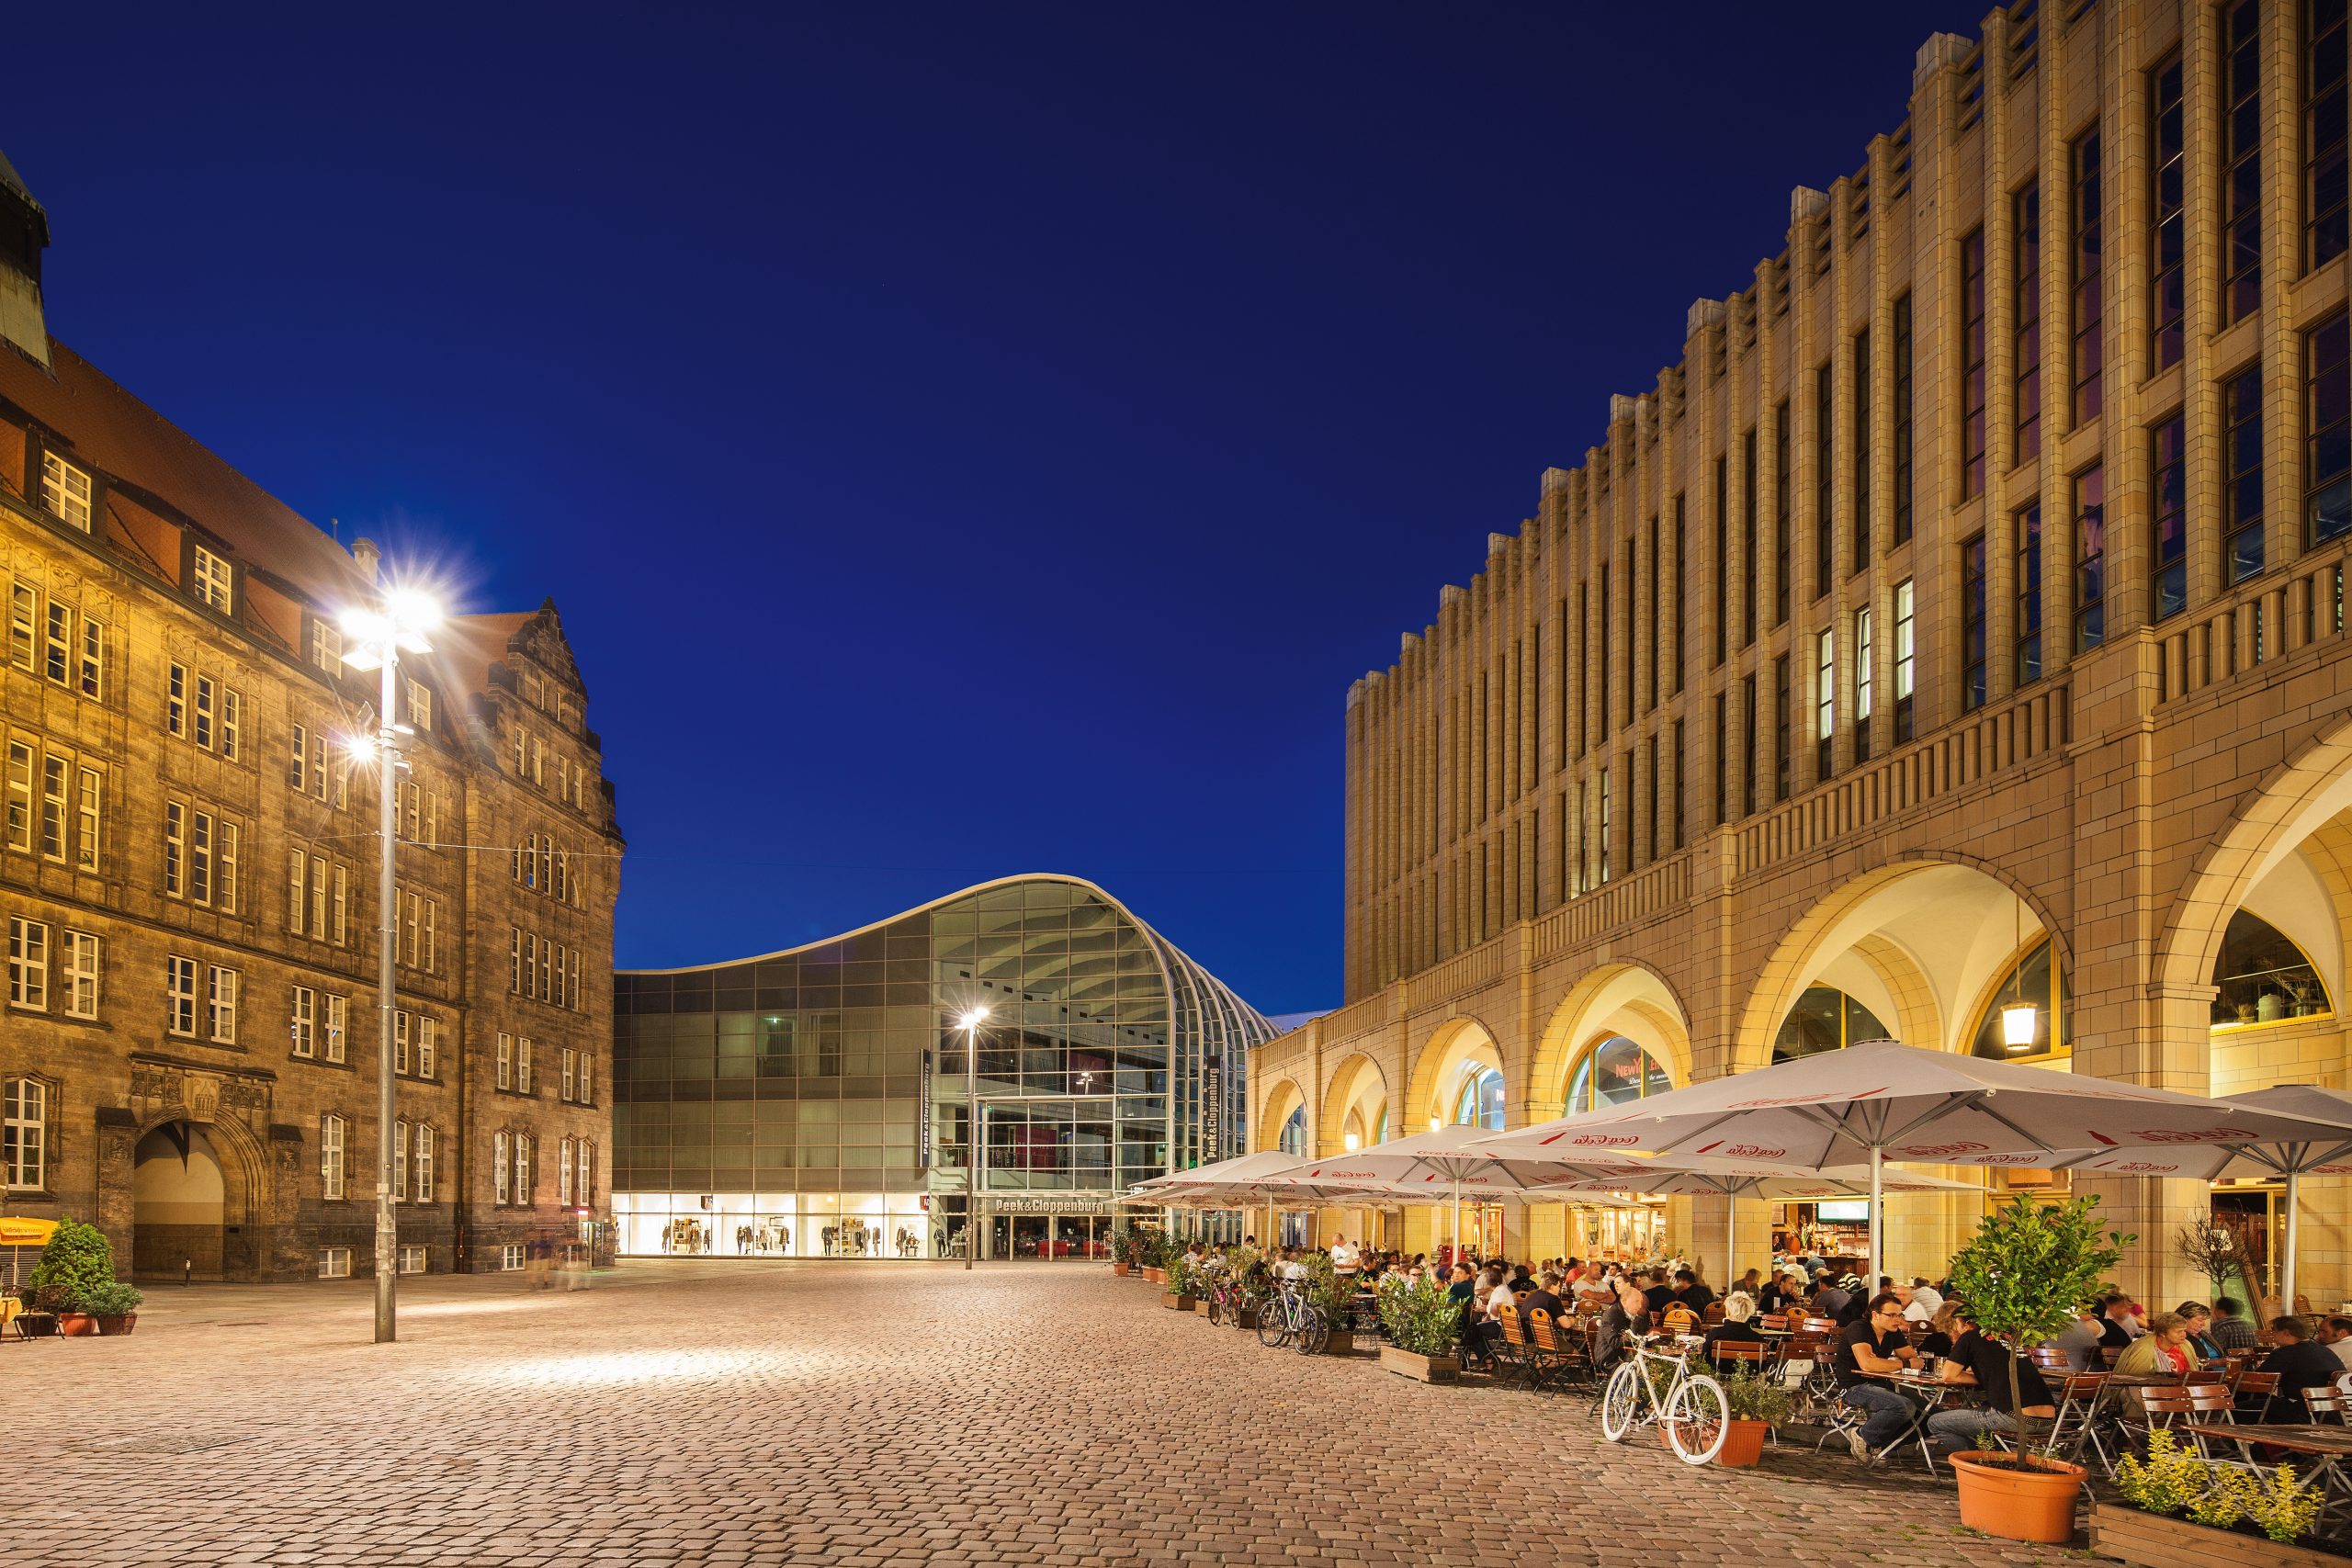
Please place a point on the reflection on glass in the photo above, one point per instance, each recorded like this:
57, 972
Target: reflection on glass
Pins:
1480, 1103
2030, 980
1825, 1019
1613, 1072
2262, 976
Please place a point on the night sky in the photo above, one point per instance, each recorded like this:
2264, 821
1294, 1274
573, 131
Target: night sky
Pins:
961, 440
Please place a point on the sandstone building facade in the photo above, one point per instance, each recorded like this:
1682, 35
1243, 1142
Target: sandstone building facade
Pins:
1960, 618
187, 868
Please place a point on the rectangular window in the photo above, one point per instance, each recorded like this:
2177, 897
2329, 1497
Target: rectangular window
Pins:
1825, 439
1605, 840
2090, 266
502, 1173
2323, 109
326, 647
1649, 693
1903, 419
298, 762
2168, 527
207, 706
2242, 475
1723, 559
90, 680
1971, 622
1748, 561
1682, 591
2327, 428
90, 810
225, 889
428, 1047
176, 702
338, 1035
1783, 519
331, 1171
522, 1175
563, 1089
2025, 542
28, 964
1904, 676
21, 796
1865, 650
563, 1173
399, 1162
1825, 704
425, 1138
505, 1061
411, 1257
175, 850
2090, 559
54, 803
24, 1134
584, 1189
231, 718
179, 995
1972, 367
2168, 235
1751, 738
23, 621
509, 1257
400, 1042
2240, 160
335, 1262
65, 491
587, 1078
220, 1005
523, 1064
305, 1026
208, 580
1722, 759
1784, 720
420, 708
81, 975
57, 643
1680, 760
1600, 658
1862, 455
2025, 294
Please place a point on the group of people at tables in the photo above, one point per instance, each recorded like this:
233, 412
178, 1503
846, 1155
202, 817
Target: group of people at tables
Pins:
1883, 1338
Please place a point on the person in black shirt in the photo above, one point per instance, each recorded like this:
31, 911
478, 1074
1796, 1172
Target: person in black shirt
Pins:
1544, 1297
2113, 1334
1876, 1344
1980, 1360
1692, 1293
2299, 1363
1658, 1292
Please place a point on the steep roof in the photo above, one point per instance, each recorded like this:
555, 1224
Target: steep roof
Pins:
136, 447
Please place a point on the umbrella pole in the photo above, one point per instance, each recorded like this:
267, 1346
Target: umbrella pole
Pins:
1731, 1240
1878, 1238
1457, 1219
2287, 1266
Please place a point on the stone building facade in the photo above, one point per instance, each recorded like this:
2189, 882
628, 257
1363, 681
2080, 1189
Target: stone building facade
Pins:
187, 868
1959, 619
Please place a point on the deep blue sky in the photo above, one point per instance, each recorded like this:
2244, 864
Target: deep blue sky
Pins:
962, 440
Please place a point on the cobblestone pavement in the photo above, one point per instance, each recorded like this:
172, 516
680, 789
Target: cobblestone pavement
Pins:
853, 1413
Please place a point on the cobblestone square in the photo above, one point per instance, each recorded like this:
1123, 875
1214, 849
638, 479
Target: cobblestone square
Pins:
853, 1414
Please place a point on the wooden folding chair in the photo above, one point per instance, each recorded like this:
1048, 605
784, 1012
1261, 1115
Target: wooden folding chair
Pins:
2256, 1393
1714, 1313
1738, 1356
2074, 1425
1511, 1353
1776, 1320
2048, 1359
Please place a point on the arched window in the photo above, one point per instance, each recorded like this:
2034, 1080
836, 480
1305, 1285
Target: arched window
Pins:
1293, 1138
2262, 976
1613, 1072
2039, 978
1825, 1019
1481, 1102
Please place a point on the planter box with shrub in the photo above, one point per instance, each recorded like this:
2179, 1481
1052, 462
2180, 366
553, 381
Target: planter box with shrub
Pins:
2154, 1540
1428, 1369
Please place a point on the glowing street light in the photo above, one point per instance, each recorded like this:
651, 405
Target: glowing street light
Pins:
375, 635
970, 1024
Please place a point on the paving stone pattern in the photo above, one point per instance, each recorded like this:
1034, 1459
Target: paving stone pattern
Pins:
767, 1413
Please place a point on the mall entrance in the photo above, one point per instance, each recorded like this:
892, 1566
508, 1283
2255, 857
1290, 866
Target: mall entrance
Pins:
1044, 1238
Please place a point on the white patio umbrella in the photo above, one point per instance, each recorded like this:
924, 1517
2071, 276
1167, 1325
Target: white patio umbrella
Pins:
1887, 1100
1674, 1175
2320, 1155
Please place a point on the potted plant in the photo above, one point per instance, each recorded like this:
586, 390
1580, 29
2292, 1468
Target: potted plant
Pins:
2218, 1499
1423, 1322
2029, 1272
1758, 1404
1123, 1249
1179, 1275
116, 1306
1159, 1246
75, 1263
1333, 1300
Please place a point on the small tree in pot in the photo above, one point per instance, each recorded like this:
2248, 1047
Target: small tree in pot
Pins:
2029, 1271
76, 1264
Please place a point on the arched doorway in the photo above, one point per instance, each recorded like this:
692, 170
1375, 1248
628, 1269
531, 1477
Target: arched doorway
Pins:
179, 1204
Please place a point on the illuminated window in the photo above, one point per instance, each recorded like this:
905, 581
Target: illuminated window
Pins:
2262, 976
66, 489
208, 580
1480, 1103
2168, 233
2037, 979
1613, 1072
1825, 1019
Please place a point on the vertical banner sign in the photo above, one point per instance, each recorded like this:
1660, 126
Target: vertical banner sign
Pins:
1212, 1109
922, 1118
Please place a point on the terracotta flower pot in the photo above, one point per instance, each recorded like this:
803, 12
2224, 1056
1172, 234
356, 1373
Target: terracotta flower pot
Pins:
75, 1324
2017, 1505
123, 1323
1743, 1444
1119, 1269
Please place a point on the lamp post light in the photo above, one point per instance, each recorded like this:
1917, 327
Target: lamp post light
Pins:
970, 1024
375, 635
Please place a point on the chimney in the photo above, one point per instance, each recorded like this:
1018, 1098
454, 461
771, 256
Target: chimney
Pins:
24, 234
364, 552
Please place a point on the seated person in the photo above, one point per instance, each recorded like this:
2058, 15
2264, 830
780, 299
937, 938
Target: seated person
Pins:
1980, 1360
2335, 1333
1544, 1297
1875, 1344
1944, 1333
2232, 1330
1858, 1302
1784, 1292
1737, 1327
2080, 1343
2163, 1351
2301, 1362
2116, 1327
1692, 1293
1657, 1294
1629, 1313
2199, 1318
1830, 1299
1925, 1304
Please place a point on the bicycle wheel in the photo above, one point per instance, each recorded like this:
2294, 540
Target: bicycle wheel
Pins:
1697, 1419
1217, 1306
1620, 1403
1313, 1332
1271, 1329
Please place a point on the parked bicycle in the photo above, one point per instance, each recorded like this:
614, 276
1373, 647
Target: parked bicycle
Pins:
1287, 1318
1225, 1299
1658, 1385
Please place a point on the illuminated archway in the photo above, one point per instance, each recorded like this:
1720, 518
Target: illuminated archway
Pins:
1355, 1106
1627, 999
1460, 1051
1284, 1100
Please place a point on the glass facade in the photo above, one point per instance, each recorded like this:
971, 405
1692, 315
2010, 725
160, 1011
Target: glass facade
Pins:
813, 1102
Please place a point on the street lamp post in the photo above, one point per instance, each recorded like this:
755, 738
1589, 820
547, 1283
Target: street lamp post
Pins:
973, 1152
375, 636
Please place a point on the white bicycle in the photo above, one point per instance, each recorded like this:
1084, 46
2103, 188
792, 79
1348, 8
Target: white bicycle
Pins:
1691, 1408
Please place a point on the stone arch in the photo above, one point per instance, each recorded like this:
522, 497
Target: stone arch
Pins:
1920, 932
1357, 1096
1629, 992
1283, 1097
1458, 1043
